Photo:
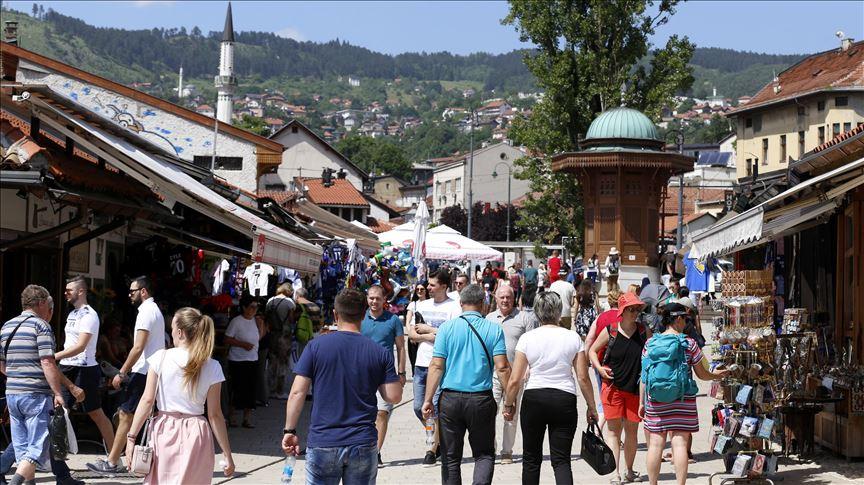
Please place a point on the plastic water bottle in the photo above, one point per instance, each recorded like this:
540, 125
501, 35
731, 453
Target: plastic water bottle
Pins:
430, 432
288, 468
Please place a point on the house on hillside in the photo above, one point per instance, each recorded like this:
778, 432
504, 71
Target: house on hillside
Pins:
493, 108
307, 155
205, 110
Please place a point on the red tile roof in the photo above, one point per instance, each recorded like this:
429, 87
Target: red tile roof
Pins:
342, 192
278, 196
379, 226
827, 71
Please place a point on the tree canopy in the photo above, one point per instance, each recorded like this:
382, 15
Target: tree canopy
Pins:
589, 56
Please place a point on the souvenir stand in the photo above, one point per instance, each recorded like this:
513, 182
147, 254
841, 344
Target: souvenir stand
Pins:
745, 424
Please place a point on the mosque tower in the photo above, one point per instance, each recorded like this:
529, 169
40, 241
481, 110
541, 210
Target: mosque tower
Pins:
225, 81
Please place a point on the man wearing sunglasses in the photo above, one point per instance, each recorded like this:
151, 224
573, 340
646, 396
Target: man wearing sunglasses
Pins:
149, 338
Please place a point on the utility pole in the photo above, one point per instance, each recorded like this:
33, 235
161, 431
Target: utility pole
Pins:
509, 199
471, 175
680, 231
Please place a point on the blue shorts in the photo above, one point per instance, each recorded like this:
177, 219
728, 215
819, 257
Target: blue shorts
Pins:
134, 390
28, 418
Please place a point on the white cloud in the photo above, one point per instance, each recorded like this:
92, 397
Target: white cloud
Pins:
291, 33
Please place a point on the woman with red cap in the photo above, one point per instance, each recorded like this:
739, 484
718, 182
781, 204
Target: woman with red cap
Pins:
620, 369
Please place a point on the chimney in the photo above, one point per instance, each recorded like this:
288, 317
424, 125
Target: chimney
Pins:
10, 34
846, 43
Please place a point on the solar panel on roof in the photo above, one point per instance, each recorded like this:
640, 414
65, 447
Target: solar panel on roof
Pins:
714, 159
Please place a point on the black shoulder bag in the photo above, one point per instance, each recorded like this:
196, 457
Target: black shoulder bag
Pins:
595, 452
485, 349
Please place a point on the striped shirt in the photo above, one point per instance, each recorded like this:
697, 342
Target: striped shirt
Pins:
33, 341
679, 415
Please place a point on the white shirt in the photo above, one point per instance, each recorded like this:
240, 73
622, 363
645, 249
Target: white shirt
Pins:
257, 276
173, 395
565, 290
550, 352
453, 295
149, 319
81, 320
434, 314
246, 331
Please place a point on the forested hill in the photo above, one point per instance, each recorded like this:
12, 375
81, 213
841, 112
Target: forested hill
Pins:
143, 55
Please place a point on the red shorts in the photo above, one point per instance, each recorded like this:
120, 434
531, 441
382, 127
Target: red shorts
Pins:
619, 404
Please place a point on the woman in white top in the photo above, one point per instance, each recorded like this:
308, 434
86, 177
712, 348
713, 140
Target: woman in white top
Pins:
243, 335
552, 352
181, 380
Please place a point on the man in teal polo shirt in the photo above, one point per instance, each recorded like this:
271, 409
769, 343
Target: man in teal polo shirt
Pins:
466, 351
386, 330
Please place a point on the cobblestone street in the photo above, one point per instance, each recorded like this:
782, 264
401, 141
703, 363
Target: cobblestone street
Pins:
258, 456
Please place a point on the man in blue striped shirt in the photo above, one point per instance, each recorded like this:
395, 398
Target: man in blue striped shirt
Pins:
33, 385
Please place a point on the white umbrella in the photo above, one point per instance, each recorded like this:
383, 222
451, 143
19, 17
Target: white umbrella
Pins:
418, 251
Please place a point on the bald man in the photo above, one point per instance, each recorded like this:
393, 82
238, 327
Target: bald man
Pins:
515, 323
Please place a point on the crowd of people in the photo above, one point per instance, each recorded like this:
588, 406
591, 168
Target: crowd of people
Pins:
520, 342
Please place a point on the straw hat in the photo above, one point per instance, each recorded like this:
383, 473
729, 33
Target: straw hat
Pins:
613, 251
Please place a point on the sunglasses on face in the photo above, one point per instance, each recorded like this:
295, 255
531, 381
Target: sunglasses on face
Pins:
134, 290
633, 309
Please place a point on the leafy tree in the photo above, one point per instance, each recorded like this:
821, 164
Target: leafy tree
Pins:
487, 224
378, 154
35, 11
253, 124
456, 217
590, 56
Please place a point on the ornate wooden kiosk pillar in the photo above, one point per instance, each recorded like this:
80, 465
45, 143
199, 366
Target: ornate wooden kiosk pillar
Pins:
623, 168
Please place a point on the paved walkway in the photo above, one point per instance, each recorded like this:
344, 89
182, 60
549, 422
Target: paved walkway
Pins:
258, 456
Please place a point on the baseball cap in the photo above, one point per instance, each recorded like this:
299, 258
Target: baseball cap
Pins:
685, 301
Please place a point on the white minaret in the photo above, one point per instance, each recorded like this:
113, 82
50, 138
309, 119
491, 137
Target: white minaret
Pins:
225, 81
180, 85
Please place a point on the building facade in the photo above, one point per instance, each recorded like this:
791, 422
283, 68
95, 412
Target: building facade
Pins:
802, 108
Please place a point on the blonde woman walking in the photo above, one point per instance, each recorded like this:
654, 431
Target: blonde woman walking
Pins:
181, 380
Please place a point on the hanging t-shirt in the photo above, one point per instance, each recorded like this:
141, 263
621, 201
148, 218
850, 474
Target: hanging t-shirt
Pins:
174, 396
219, 275
696, 275
550, 352
257, 277
81, 320
434, 315
246, 331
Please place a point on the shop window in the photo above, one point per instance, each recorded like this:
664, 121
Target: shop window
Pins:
782, 148
222, 163
820, 106
764, 151
821, 135
800, 144
841, 101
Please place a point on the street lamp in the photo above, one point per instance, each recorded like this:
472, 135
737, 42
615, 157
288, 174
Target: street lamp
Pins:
509, 180
471, 176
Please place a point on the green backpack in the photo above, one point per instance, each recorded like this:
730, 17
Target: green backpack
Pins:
304, 331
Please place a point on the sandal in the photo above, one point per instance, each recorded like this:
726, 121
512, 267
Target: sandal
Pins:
632, 476
247, 424
616, 481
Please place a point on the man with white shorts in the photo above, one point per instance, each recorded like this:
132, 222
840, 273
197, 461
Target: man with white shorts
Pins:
386, 329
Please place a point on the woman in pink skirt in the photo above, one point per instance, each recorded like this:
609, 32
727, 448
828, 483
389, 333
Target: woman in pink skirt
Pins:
180, 381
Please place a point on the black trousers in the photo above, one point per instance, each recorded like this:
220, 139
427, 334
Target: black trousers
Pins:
556, 410
473, 412
244, 379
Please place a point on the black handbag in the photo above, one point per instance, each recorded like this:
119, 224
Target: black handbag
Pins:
595, 451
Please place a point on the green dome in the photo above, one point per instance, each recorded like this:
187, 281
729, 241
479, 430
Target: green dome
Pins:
622, 123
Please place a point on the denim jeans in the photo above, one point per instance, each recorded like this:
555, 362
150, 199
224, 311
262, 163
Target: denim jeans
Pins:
420, 375
356, 464
28, 416
473, 412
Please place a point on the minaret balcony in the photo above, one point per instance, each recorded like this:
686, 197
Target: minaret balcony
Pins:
222, 81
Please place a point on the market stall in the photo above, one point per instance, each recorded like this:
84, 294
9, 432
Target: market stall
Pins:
442, 243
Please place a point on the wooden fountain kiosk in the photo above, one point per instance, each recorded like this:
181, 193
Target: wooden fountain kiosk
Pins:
624, 170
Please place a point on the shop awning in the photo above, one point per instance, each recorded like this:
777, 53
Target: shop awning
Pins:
774, 217
271, 244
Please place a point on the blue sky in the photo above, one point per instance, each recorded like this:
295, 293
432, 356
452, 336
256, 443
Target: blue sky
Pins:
464, 27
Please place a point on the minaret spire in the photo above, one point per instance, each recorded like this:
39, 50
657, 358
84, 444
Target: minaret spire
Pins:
225, 81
